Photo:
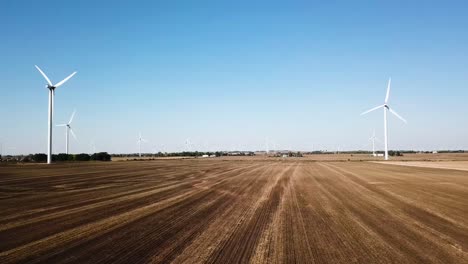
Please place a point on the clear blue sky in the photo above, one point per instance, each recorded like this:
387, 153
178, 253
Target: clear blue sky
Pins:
228, 74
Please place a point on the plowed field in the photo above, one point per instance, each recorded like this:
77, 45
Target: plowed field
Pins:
249, 211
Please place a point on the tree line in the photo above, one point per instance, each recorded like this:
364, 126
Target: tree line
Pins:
188, 154
41, 157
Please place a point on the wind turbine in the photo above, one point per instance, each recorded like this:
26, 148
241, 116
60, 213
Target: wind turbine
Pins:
386, 108
68, 130
51, 88
373, 138
140, 139
188, 145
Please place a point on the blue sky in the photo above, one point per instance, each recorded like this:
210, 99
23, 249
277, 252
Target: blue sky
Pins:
228, 74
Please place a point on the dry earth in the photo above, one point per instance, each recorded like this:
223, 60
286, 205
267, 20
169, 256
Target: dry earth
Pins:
452, 165
221, 211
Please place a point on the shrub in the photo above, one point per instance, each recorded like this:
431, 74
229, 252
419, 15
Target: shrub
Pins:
61, 157
39, 157
27, 158
395, 153
102, 156
82, 157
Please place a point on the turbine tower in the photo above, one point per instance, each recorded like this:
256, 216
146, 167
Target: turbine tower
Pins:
68, 130
386, 108
51, 88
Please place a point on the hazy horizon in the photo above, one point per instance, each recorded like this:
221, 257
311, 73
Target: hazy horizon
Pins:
229, 75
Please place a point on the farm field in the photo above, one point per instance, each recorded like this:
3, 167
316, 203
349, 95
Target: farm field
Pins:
329, 157
452, 165
232, 211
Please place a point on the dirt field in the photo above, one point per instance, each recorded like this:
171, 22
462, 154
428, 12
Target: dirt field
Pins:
226, 211
328, 157
451, 165
405, 157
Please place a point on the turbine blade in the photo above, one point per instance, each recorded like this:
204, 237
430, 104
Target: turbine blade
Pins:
388, 90
61, 125
370, 110
43, 74
397, 115
71, 118
73, 133
64, 80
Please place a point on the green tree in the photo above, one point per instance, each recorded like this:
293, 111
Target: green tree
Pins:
101, 156
39, 157
61, 157
82, 157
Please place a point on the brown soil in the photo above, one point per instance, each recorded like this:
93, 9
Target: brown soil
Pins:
451, 165
228, 211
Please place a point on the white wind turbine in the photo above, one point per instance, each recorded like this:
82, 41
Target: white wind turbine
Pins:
140, 139
68, 131
51, 88
373, 138
188, 145
386, 108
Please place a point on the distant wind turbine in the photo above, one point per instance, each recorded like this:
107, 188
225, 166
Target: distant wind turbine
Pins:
51, 88
386, 108
188, 145
140, 139
68, 129
372, 139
